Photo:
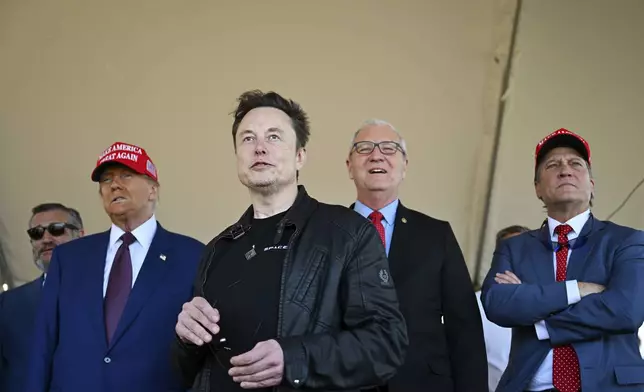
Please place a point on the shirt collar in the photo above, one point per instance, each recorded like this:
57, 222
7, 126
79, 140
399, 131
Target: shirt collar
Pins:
143, 234
388, 211
577, 223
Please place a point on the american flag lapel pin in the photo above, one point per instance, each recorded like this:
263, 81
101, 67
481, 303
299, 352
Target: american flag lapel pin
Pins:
162, 256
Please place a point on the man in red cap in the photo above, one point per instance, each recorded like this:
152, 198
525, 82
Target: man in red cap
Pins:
572, 290
111, 300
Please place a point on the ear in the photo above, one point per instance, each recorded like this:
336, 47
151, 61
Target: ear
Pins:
348, 163
404, 170
154, 192
81, 232
300, 158
537, 191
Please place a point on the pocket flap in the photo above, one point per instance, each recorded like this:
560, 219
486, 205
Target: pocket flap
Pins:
439, 365
629, 375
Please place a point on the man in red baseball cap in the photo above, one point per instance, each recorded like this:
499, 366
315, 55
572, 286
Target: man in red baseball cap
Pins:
128, 155
572, 290
110, 301
561, 138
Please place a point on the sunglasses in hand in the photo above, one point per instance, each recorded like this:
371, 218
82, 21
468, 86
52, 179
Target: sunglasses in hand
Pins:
220, 346
56, 229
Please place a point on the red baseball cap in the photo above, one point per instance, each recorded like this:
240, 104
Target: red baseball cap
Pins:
561, 138
128, 155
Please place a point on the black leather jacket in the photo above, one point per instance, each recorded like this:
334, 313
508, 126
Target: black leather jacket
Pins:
339, 325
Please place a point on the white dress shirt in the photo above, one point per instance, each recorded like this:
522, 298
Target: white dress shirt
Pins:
498, 341
543, 377
138, 249
640, 333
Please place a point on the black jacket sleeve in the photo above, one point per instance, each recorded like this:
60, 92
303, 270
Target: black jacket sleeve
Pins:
372, 344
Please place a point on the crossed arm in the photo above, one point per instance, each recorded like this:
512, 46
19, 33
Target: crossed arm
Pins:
617, 308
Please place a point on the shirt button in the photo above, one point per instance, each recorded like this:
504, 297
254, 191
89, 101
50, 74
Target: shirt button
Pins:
107, 359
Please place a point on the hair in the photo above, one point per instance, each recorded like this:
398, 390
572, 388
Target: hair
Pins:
73, 219
254, 99
376, 121
506, 231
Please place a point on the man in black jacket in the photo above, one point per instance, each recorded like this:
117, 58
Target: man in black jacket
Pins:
297, 294
446, 346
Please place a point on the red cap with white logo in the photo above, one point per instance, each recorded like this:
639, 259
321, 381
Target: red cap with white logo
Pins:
134, 157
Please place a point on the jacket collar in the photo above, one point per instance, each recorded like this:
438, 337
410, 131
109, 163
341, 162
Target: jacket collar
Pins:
297, 215
591, 226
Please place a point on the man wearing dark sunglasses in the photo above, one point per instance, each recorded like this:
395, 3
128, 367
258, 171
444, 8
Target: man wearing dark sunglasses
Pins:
297, 294
446, 345
110, 300
50, 225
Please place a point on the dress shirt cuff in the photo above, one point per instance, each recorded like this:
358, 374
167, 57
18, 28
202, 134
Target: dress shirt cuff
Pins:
542, 331
572, 291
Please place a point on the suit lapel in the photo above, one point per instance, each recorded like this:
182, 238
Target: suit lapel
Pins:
582, 247
149, 279
94, 282
543, 262
397, 250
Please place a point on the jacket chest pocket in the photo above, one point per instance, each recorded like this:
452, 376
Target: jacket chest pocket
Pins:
309, 279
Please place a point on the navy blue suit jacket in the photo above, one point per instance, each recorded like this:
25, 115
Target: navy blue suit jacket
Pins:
17, 313
602, 328
70, 352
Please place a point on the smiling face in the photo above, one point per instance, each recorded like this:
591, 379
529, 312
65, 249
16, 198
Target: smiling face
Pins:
563, 177
381, 170
266, 149
127, 196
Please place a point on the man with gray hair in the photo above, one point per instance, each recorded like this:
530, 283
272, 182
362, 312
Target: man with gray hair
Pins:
50, 225
446, 347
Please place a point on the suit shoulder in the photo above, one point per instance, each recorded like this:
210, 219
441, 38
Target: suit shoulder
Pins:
337, 211
522, 239
183, 240
612, 226
417, 217
341, 217
80, 243
15, 294
622, 233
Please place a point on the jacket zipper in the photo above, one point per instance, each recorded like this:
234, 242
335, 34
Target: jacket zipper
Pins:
202, 293
282, 285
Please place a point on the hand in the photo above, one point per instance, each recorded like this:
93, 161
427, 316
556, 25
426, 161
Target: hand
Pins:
507, 278
195, 317
586, 288
261, 367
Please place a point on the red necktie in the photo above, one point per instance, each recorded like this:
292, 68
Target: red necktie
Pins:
376, 218
565, 364
118, 286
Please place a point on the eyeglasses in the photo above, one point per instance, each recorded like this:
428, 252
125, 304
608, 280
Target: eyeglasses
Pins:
56, 229
387, 147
